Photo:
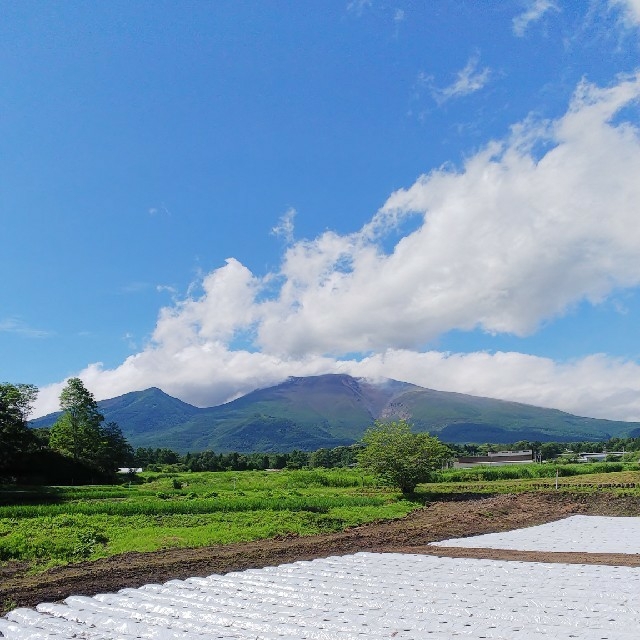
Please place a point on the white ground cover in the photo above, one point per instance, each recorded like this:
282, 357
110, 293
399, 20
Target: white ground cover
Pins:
366, 595
586, 534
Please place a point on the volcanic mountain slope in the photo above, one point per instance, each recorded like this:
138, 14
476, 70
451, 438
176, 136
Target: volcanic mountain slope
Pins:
331, 410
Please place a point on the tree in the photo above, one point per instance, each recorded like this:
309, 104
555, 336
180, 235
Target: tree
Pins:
550, 450
400, 457
114, 450
80, 434
77, 432
16, 401
320, 458
297, 459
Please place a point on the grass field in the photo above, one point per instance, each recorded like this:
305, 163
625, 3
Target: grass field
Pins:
613, 477
58, 525
525, 471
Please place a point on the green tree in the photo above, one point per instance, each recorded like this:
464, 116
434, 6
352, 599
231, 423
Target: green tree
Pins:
16, 402
400, 457
114, 450
320, 458
77, 432
551, 450
297, 459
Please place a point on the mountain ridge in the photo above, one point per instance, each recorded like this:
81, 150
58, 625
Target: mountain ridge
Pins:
335, 409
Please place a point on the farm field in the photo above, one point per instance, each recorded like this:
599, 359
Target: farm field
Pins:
358, 596
92, 539
615, 478
60, 525
536, 471
578, 533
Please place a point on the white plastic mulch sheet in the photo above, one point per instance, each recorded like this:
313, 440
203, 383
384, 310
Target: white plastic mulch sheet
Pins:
586, 534
356, 597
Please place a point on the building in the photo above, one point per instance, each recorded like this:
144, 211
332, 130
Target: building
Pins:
598, 457
496, 458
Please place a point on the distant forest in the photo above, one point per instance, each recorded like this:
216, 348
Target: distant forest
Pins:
165, 459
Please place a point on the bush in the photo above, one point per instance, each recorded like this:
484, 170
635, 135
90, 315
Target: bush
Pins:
401, 458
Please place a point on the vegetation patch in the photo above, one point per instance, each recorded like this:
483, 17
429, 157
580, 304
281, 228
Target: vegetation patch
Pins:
524, 471
196, 509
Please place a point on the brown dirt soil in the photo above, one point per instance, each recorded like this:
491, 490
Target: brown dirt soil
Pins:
437, 521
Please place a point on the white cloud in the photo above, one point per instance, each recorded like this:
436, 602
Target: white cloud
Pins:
358, 6
166, 288
535, 11
285, 226
468, 80
630, 10
225, 308
399, 17
514, 238
160, 210
507, 242
21, 328
135, 287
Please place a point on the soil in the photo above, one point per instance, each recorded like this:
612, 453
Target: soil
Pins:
438, 521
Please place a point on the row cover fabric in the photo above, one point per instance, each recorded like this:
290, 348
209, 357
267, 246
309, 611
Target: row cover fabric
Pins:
586, 534
355, 597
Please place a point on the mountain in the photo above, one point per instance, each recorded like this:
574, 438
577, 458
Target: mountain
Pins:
333, 410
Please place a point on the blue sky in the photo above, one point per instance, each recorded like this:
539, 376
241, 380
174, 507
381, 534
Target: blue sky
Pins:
211, 197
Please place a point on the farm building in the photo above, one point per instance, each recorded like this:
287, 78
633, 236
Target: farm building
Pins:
496, 458
598, 457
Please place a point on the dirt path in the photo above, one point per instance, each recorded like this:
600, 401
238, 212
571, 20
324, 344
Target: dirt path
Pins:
438, 521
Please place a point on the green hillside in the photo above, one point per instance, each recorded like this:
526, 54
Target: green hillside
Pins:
457, 417
139, 413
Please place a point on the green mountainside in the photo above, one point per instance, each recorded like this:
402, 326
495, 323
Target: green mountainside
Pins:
333, 410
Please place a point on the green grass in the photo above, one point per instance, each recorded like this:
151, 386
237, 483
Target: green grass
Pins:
62, 539
522, 471
69, 524
188, 505
57, 525
626, 482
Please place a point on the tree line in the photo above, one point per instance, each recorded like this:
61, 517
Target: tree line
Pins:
390, 451
551, 450
164, 459
160, 459
79, 448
